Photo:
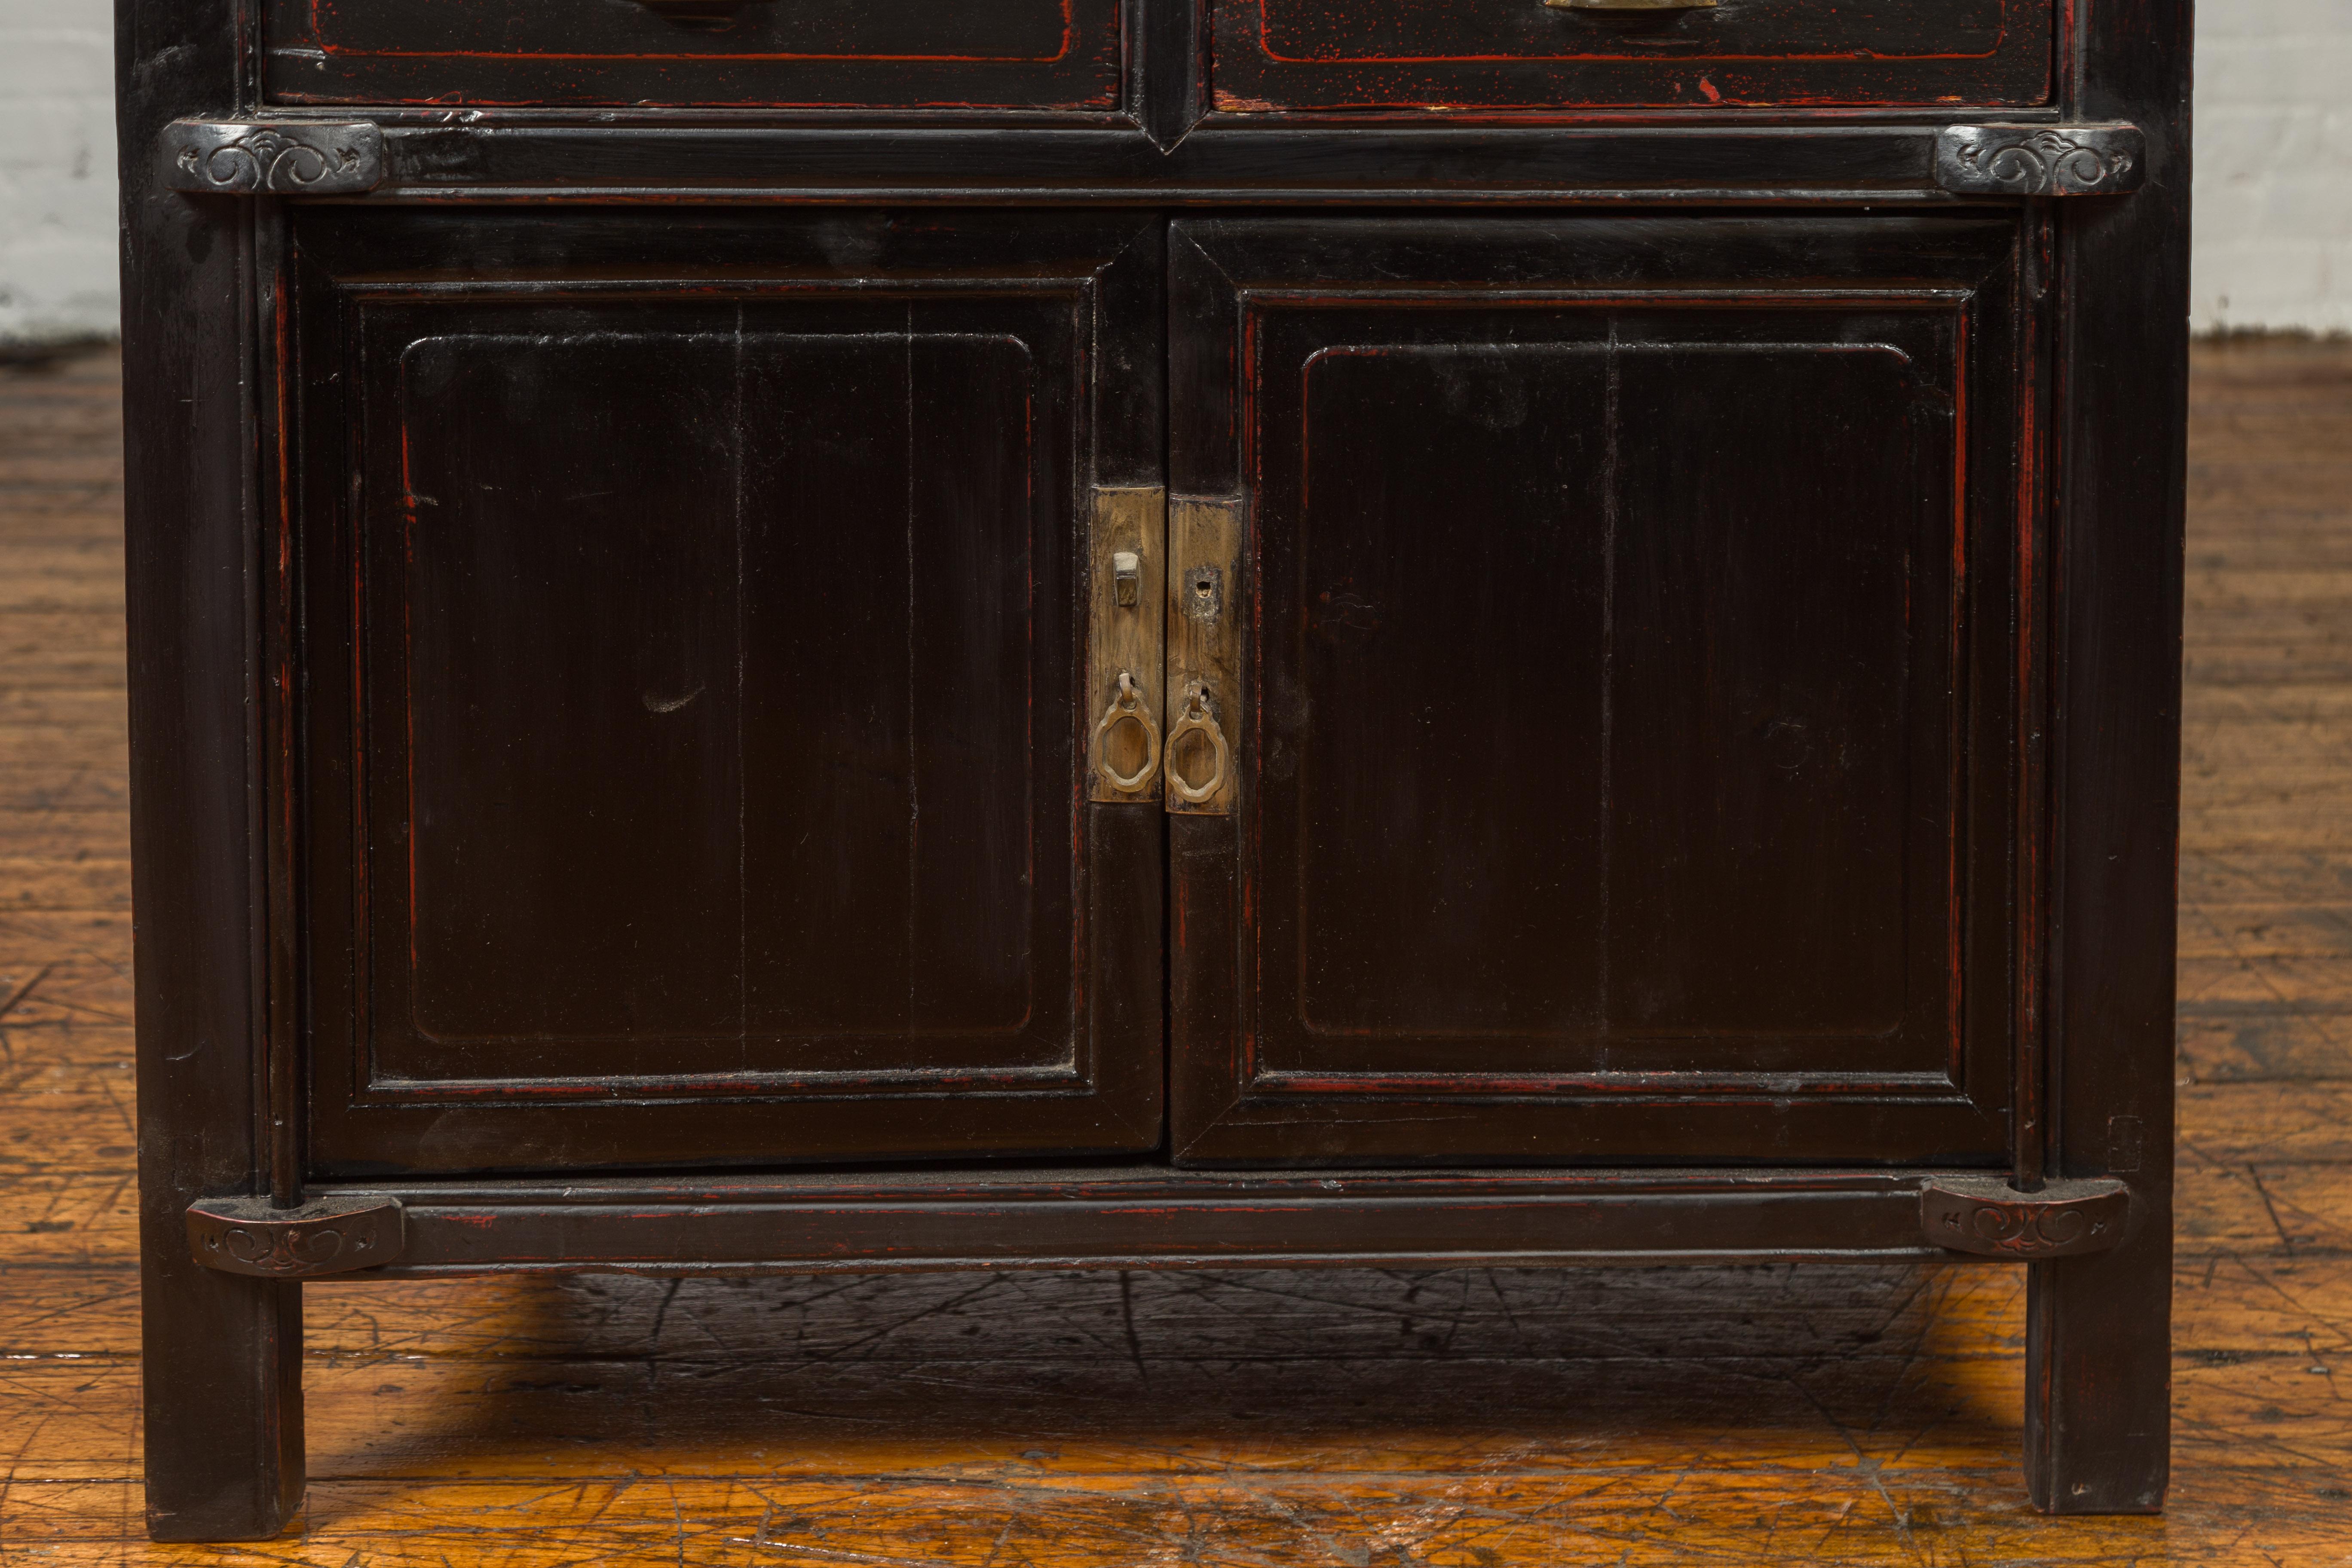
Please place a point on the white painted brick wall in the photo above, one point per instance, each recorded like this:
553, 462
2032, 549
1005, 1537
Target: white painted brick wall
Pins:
2273, 242
2273, 197
57, 270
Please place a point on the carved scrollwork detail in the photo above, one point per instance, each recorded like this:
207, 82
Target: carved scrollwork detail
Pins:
1986, 1216
234, 158
2040, 161
328, 1236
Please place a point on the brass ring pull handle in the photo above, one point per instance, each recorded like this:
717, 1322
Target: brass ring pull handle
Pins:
1197, 717
1125, 705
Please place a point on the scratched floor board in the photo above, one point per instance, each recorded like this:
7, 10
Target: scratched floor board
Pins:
1473, 1417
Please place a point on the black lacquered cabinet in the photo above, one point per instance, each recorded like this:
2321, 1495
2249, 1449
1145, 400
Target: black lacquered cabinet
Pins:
1149, 635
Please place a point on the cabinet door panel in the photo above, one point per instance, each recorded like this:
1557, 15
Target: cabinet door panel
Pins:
1608, 778
1403, 781
1777, 657
732, 509
712, 734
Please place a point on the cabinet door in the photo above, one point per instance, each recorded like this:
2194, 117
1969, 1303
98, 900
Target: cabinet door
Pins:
1621, 708
691, 740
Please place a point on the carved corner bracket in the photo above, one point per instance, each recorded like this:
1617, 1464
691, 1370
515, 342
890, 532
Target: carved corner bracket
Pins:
1985, 1215
2106, 159
327, 1236
292, 158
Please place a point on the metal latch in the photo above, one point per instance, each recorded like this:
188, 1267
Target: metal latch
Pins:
272, 158
1985, 1215
2102, 160
332, 1234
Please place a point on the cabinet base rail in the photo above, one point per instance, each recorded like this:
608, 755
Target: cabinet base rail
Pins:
1154, 1218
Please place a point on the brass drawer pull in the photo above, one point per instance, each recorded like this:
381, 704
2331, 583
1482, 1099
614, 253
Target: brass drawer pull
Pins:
1127, 707
1197, 719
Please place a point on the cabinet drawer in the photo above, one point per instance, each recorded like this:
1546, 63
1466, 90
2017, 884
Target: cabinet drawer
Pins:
1520, 56
770, 54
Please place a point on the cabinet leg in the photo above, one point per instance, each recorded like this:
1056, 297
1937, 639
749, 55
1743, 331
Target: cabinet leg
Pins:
223, 1385
2098, 1354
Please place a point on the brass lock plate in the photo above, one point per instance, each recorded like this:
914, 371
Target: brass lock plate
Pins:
1204, 655
1126, 562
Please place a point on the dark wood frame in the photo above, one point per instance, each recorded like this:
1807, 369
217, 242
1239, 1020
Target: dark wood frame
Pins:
218, 1084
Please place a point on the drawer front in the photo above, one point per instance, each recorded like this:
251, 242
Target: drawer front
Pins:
692, 754
1624, 728
1053, 55
1523, 55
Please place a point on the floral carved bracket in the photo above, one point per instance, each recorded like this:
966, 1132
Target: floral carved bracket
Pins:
2040, 159
332, 1234
292, 158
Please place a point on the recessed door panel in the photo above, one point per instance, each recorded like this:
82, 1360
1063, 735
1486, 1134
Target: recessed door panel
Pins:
1654, 784
1609, 765
1780, 765
790, 578
1420, 905
697, 713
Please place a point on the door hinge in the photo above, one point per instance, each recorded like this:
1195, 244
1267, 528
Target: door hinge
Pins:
2102, 159
331, 1235
275, 158
1985, 1215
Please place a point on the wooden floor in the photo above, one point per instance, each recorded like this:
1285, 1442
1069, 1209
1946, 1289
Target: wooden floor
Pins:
1376, 1420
